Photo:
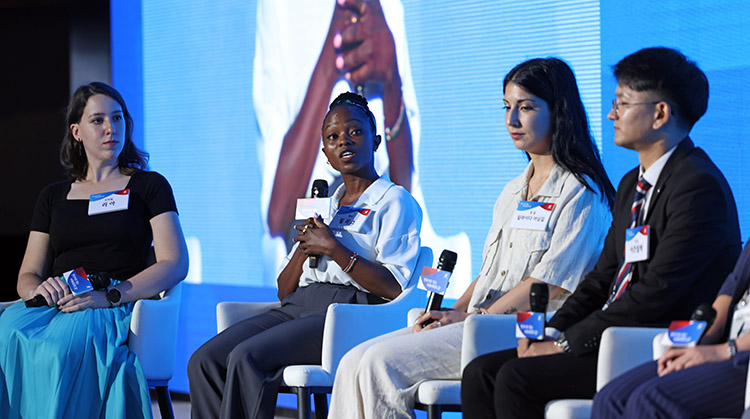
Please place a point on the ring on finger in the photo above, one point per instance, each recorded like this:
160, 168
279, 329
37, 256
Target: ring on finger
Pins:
304, 230
438, 323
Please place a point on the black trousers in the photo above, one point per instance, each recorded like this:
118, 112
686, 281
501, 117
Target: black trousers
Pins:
237, 373
501, 385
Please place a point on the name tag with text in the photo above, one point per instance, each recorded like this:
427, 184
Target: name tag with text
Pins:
310, 207
636, 244
433, 280
350, 218
532, 215
684, 333
78, 281
101, 203
530, 325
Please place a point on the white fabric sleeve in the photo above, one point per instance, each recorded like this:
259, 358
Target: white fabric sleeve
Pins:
398, 243
577, 239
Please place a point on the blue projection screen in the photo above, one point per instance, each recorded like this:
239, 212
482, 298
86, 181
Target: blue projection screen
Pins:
219, 85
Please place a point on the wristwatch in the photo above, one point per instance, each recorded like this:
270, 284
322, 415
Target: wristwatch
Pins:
562, 342
732, 348
113, 296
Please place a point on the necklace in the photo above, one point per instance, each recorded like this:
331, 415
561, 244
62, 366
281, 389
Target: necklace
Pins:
529, 193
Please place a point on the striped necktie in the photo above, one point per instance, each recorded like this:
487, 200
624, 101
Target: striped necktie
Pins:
626, 269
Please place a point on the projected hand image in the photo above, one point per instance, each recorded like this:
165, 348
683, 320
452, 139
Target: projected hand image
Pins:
366, 56
365, 46
361, 48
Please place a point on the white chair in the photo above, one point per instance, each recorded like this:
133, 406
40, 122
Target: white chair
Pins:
346, 326
482, 335
153, 338
621, 349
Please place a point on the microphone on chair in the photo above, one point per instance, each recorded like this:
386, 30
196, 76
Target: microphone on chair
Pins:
446, 263
319, 190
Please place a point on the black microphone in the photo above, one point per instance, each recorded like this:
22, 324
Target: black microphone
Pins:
538, 300
319, 190
705, 313
446, 263
98, 281
539, 297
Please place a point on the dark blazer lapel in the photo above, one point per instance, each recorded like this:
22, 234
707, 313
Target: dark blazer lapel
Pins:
684, 148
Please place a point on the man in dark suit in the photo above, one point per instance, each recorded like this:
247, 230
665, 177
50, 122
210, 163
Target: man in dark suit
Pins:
702, 381
690, 240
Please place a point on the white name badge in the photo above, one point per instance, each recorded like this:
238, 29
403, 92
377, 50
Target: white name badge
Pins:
101, 203
636, 244
310, 207
350, 218
532, 215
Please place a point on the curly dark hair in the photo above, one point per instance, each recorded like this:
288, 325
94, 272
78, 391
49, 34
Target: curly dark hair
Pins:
350, 98
573, 148
72, 157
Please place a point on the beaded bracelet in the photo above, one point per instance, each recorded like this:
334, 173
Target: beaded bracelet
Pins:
394, 130
350, 265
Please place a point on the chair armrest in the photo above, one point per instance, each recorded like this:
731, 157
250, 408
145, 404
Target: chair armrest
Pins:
348, 325
229, 313
412, 316
623, 348
153, 333
658, 347
487, 333
6, 304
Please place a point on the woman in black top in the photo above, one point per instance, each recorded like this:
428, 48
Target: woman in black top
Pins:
62, 360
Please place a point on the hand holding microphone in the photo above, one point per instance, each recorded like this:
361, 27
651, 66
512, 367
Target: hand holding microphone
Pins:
530, 325
685, 333
52, 290
446, 263
319, 190
689, 354
48, 293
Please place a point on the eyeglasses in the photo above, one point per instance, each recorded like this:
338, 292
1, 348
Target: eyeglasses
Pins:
616, 106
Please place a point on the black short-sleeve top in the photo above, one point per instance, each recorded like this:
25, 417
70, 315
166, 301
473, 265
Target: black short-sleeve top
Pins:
116, 242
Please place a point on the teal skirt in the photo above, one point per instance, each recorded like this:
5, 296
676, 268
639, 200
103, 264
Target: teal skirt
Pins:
69, 365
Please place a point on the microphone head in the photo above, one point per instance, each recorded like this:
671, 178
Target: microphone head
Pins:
539, 297
704, 312
319, 189
447, 261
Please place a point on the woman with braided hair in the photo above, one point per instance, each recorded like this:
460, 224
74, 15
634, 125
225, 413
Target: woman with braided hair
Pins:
238, 372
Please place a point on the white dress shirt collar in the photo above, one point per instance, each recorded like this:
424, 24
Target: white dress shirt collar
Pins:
651, 175
371, 196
